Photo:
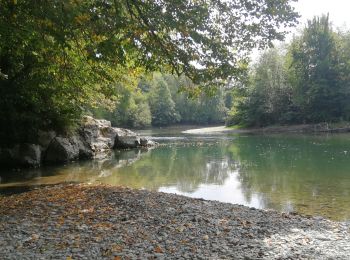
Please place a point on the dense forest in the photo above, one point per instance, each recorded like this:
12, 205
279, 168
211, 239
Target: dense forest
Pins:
62, 59
158, 100
306, 81
143, 63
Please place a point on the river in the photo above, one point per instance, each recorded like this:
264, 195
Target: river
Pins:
309, 174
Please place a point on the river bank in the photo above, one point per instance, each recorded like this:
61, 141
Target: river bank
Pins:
275, 129
101, 222
93, 139
304, 128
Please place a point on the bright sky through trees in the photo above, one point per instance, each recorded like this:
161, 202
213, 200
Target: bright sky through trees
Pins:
338, 10
338, 14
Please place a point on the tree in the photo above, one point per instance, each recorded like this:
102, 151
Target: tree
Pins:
131, 110
59, 57
308, 84
314, 63
198, 109
267, 96
344, 70
211, 109
161, 104
271, 81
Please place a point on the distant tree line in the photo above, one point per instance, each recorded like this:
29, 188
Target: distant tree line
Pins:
159, 101
307, 81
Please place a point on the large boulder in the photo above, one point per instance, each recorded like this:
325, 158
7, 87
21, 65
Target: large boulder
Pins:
29, 155
144, 142
90, 128
61, 150
65, 149
103, 137
126, 139
23, 155
45, 138
99, 134
85, 150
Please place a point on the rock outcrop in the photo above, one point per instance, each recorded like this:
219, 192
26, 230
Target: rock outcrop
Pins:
126, 139
93, 139
99, 134
65, 149
23, 155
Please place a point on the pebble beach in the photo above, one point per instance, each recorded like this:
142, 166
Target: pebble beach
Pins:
80, 221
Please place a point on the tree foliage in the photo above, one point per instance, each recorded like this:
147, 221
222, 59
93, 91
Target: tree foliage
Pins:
308, 83
201, 109
160, 101
161, 104
316, 63
131, 110
266, 97
59, 57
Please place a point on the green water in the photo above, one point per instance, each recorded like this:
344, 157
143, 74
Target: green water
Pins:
307, 174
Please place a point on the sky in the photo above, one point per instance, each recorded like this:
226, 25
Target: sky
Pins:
339, 15
338, 11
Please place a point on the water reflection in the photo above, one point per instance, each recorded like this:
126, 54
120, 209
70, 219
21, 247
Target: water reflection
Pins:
86, 171
308, 174
183, 167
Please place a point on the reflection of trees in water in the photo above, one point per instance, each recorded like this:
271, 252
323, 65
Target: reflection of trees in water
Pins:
82, 171
185, 167
212, 171
306, 174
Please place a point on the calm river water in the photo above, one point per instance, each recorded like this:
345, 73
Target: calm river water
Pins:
309, 174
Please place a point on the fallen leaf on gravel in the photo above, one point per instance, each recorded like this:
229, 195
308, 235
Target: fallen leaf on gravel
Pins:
245, 223
158, 249
117, 248
188, 225
87, 210
223, 221
180, 229
35, 236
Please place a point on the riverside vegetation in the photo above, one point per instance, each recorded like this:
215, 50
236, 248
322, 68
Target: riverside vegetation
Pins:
302, 82
305, 81
139, 63
61, 59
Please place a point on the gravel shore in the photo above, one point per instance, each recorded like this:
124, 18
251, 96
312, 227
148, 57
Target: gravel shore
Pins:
101, 222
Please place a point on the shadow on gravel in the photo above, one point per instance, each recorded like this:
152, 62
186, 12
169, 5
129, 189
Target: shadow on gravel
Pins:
12, 190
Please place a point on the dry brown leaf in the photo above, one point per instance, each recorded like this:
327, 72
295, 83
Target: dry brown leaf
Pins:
117, 248
158, 249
